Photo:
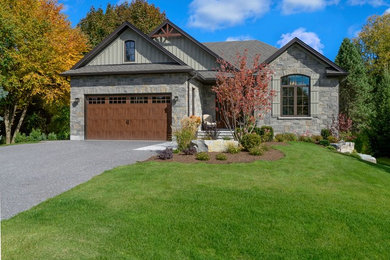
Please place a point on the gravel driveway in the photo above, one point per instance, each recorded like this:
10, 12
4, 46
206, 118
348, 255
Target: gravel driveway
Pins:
32, 173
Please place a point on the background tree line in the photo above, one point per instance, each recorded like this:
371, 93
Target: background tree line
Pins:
365, 93
37, 44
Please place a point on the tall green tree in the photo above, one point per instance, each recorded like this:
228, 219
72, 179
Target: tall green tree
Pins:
98, 24
355, 91
380, 123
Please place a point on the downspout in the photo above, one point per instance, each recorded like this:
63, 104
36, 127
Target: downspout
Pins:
193, 75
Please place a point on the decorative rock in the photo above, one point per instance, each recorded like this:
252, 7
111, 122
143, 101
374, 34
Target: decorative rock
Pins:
199, 145
344, 147
219, 146
367, 157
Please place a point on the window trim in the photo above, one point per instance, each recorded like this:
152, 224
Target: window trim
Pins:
295, 97
125, 48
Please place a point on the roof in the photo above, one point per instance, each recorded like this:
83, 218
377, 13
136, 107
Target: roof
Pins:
177, 28
110, 38
126, 69
228, 50
207, 75
334, 69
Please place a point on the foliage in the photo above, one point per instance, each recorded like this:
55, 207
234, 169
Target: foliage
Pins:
189, 151
249, 141
266, 133
243, 93
98, 24
332, 139
355, 90
325, 133
226, 138
304, 138
221, 157
331, 148
362, 143
380, 123
165, 154
51, 136
37, 135
345, 123
257, 150
202, 156
176, 151
374, 42
232, 149
316, 139
310, 193
192, 123
347, 136
324, 142
60, 121
184, 138
286, 137
22, 138
43, 45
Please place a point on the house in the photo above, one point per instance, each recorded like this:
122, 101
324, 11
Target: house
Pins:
137, 86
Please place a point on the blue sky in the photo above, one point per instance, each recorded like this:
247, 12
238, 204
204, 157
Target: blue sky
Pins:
320, 23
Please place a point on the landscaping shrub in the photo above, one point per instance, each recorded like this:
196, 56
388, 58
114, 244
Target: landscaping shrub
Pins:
176, 151
347, 136
316, 139
166, 154
221, 157
37, 135
286, 137
258, 150
324, 142
279, 138
325, 133
232, 149
265, 132
304, 138
52, 136
203, 156
249, 141
226, 138
332, 139
189, 151
184, 138
331, 148
21, 138
362, 143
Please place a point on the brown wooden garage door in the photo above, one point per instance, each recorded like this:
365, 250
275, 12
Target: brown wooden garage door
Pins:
131, 117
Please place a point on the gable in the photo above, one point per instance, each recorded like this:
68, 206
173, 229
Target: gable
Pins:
184, 47
114, 53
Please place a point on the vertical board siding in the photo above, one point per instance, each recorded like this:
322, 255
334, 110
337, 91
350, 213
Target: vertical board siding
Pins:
190, 53
144, 51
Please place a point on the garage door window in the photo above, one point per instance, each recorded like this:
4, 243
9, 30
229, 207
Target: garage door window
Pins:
162, 99
138, 100
96, 100
117, 100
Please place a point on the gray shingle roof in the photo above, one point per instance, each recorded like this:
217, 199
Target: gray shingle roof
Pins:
228, 50
127, 69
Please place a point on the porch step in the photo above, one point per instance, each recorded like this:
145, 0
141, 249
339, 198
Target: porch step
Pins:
219, 134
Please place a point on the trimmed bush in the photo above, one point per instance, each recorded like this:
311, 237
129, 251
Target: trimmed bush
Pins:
203, 156
166, 154
332, 139
249, 141
325, 133
232, 149
184, 138
52, 136
331, 148
316, 139
266, 133
176, 151
257, 151
221, 157
324, 142
304, 138
286, 137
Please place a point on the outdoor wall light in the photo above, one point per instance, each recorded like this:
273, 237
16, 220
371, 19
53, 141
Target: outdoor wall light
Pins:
77, 100
176, 98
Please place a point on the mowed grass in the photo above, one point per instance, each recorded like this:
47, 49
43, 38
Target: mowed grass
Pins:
313, 203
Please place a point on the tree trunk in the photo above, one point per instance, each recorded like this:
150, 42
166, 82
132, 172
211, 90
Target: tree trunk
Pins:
21, 118
9, 117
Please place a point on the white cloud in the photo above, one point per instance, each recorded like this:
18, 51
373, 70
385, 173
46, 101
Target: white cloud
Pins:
387, 11
298, 6
374, 3
215, 14
353, 31
309, 38
239, 38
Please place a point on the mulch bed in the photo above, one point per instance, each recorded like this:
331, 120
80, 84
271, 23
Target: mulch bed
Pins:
242, 157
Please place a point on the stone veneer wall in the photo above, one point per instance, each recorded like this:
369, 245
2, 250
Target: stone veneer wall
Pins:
324, 92
175, 84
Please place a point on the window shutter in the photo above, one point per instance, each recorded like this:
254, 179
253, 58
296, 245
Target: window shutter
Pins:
276, 99
314, 98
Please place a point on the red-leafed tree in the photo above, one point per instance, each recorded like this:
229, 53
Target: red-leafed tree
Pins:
243, 93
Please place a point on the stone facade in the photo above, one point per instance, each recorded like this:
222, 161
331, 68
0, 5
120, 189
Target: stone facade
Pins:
324, 92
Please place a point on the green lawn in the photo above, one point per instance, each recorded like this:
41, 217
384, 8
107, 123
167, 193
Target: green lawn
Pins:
313, 203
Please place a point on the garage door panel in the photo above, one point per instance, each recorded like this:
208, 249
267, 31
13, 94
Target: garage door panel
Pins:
129, 117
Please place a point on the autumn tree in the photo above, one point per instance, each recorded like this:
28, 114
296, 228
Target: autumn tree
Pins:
98, 24
43, 46
243, 93
355, 90
374, 42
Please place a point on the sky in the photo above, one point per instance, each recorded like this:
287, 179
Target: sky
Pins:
320, 23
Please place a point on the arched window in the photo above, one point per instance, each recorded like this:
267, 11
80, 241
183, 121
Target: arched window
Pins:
129, 51
295, 95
